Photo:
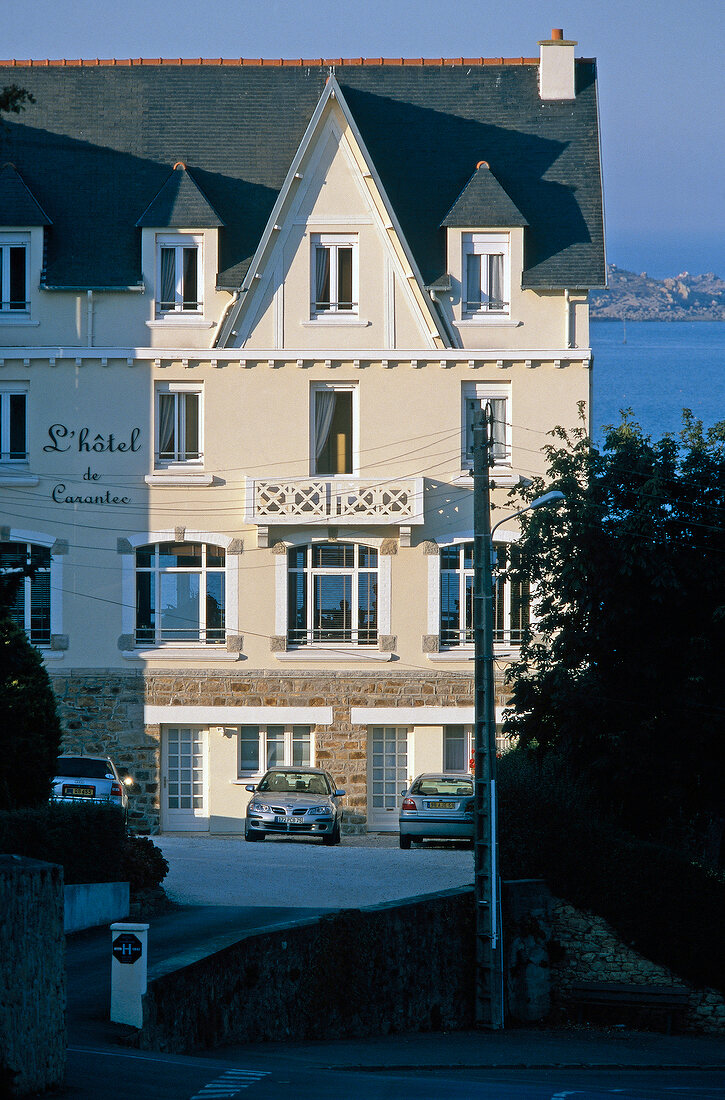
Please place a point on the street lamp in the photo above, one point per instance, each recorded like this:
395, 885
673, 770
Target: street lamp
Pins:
489, 1005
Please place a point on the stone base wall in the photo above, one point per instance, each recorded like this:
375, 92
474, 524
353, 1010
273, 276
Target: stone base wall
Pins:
32, 976
584, 948
405, 966
102, 711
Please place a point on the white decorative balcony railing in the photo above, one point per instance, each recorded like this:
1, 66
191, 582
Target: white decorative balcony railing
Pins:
334, 500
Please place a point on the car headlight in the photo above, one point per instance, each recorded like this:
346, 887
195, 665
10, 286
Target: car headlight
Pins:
319, 810
259, 808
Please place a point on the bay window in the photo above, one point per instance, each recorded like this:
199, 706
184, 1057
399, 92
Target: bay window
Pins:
180, 593
30, 609
332, 594
510, 598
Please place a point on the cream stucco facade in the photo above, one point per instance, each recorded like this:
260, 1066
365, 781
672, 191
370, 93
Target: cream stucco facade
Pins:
154, 430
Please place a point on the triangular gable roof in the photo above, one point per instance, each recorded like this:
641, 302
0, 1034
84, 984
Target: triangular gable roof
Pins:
180, 204
18, 207
483, 202
377, 195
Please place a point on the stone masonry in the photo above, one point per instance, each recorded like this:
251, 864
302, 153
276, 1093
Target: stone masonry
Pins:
102, 712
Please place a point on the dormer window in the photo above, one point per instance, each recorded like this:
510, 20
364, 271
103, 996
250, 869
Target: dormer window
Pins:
334, 273
486, 274
178, 274
14, 254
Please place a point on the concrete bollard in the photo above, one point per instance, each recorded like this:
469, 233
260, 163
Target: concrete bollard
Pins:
129, 955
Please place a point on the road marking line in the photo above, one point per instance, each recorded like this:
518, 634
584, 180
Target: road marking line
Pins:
230, 1083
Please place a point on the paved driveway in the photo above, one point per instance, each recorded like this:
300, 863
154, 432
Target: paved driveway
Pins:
281, 872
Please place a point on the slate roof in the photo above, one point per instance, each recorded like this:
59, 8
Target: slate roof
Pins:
97, 146
17, 205
483, 202
180, 204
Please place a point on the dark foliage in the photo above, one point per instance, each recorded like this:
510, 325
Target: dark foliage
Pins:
86, 840
669, 909
623, 678
13, 98
29, 727
143, 863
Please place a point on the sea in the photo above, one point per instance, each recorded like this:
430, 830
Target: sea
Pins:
657, 368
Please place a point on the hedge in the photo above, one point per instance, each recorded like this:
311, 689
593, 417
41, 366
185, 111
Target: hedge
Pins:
89, 842
666, 907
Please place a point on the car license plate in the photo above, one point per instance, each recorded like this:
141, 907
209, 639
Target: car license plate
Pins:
279, 820
442, 805
80, 792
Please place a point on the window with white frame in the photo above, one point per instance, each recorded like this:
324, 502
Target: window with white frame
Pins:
178, 423
476, 397
511, 601
333, 418
456, 748
30, 609
180, 593
486, 275
334, 274
13, 424
178, 274
332, 594
14, 260
262, 747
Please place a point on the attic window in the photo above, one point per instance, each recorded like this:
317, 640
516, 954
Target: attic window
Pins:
178, 275
485, 274
14, 253
334, 274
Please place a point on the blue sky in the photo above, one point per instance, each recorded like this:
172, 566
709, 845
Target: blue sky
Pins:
662, 93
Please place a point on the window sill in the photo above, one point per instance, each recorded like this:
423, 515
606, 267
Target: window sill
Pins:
331, 655
350, 321
176, 478
489, 322
16, 322
51, 654
19, 481
467, 653
172, 321
193, 653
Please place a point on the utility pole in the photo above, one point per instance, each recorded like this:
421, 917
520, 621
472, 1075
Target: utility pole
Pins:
489, 967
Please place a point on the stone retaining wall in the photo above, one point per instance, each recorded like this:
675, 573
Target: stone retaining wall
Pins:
406, 966
102, 712
584, 948
32, 976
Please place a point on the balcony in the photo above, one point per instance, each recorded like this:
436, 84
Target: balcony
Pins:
333, 500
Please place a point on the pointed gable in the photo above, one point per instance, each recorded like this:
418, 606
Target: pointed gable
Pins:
180, 204
483, 202
18, 207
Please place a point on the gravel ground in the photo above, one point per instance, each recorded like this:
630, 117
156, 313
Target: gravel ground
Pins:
362, 870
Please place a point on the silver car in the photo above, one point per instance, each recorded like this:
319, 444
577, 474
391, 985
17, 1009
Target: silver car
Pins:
89, 779
437, 806
296, 802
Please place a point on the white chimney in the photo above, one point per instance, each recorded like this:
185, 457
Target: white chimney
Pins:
556, 67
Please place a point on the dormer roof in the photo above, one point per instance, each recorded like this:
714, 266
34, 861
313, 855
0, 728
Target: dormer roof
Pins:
18, 207
180, 204
483, 203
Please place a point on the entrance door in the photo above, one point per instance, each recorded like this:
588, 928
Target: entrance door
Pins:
388, 776
184, 795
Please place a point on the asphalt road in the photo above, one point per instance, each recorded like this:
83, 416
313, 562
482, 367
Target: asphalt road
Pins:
300, 872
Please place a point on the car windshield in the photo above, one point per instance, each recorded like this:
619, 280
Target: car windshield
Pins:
294, 783
83, 767
443, 786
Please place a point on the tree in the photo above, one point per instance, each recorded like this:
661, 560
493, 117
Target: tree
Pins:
13, 98
30, 730
622, 679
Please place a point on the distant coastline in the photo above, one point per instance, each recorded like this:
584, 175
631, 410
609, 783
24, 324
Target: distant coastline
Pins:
633, 297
